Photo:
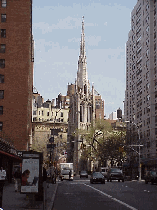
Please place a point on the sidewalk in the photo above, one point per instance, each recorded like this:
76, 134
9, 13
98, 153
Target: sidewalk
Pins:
16, 201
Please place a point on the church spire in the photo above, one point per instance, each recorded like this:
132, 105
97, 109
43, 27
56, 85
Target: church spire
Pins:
82, 45
82, 77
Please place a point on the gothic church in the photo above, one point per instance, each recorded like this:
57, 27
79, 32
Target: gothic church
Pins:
82, 108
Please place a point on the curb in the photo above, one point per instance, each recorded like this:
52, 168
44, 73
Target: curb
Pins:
53, 198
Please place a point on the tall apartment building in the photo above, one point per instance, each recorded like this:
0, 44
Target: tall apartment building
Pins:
99, 107
16, 71
113, 115
141, 76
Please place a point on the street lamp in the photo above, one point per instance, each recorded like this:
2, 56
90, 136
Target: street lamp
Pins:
139, 145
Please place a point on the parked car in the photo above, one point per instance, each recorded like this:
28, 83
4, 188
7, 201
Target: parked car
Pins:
151, 176
83, 174
97, 177
104, 170
115, 174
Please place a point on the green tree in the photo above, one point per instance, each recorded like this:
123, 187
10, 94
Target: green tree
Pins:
102, 142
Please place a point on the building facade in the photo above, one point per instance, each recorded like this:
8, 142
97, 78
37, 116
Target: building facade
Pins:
141, 82
16, 72
99, 107
48, 111
82, 107
113, 116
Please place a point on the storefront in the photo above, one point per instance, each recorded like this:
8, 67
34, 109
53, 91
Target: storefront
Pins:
8, 157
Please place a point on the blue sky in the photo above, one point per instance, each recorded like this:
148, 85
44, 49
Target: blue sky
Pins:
57, 34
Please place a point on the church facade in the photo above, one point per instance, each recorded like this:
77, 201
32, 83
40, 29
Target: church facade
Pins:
81, 109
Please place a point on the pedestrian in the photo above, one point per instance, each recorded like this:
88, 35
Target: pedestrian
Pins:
25, 176
2, 174
17, 178
55, 176
69, 175
44, 174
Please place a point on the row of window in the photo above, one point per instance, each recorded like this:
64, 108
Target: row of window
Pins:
48, 114
42, 119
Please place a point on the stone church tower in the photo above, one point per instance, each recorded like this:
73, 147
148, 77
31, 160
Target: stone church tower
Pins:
82, 108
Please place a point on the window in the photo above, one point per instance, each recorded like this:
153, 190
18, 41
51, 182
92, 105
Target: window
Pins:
47, 113
42, 113
34, 112
148, 121
39, 112
1, 110
148, 133
147, 97
154, 35
3, 33
147, 29
1, 78
147, 75
61, 114
3, 18
1, 94
155, 94
148, 109
147, 86
147, 63
2, 63
4, 3
148, 144
2, 48
1, 125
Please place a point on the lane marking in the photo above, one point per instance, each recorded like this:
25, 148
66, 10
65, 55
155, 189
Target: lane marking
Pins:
115, 199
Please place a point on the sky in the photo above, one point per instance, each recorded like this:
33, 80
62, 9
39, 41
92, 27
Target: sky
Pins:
57, 34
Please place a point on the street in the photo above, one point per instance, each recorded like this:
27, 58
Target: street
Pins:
80, 194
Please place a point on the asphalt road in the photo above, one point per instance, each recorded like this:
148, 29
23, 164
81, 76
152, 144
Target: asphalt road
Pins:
81, 195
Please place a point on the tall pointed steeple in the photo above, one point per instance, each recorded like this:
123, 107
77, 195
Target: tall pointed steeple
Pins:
82, 77
82, 45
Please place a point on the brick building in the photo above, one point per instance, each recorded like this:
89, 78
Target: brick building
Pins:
99, 107
16, 71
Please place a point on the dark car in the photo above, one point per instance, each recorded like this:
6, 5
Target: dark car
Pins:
97, 177
83, 174
115, 174
151, 176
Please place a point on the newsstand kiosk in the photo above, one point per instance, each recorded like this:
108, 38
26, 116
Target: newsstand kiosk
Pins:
31, 180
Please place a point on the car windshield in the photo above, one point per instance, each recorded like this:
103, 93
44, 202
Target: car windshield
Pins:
154, 172
65, 172
83, 172
116, 170
97, 174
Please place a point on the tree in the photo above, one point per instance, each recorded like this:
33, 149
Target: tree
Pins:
102, 143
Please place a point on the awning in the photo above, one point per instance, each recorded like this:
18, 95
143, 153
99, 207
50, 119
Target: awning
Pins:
11, 155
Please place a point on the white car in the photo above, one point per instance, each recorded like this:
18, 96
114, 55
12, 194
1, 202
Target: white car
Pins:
104, 170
